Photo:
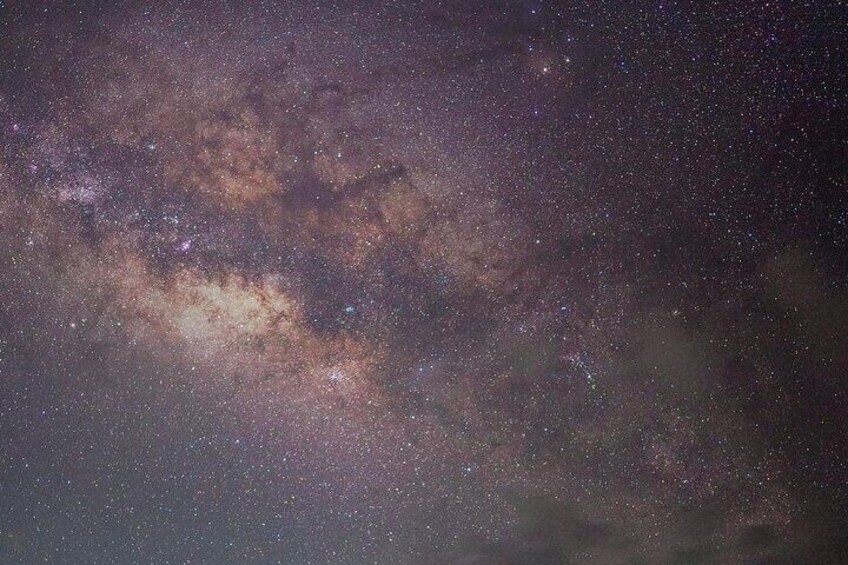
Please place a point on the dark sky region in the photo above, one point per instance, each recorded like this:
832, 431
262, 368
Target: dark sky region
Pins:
423, 282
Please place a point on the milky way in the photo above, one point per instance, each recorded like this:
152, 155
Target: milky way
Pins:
423, 282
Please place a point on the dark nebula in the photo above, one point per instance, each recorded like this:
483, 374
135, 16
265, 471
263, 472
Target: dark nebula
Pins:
423, 282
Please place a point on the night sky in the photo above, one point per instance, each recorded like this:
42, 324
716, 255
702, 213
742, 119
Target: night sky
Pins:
423, 282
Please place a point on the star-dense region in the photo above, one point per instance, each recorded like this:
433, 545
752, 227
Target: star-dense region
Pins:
423, 282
